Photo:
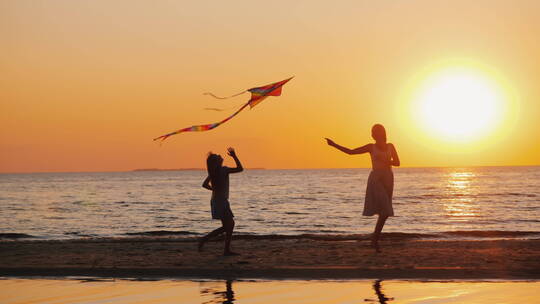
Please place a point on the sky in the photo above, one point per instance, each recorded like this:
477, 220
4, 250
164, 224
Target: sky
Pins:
87, 85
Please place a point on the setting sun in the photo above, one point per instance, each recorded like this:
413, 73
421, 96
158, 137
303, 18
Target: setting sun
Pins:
459, 104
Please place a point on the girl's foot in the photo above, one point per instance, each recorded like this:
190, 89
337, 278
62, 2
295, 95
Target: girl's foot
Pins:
375, 245
230, 253
200, 245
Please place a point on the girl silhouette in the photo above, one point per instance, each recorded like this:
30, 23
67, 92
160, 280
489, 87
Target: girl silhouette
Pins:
380, 183
218, 182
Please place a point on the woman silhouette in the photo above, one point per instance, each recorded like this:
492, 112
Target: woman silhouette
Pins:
381, 179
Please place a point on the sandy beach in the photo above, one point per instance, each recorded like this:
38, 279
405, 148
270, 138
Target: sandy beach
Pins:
301, 257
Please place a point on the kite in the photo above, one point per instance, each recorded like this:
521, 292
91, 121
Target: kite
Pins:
258, 94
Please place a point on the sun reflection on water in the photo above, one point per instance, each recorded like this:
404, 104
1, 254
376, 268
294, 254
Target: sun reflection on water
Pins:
459, 188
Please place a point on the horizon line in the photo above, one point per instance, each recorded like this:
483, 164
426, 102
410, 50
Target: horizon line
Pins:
260, 168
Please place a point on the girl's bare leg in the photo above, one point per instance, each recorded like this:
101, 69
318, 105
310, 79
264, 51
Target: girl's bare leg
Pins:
377, 233
229, 227
210, 235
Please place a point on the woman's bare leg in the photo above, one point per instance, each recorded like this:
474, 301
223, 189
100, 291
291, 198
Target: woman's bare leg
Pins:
377, 233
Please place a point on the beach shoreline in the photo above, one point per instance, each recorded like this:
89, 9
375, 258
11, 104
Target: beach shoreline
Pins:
274, 258
308, 274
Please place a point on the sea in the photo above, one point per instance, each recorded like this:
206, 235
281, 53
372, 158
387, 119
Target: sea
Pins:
475, 202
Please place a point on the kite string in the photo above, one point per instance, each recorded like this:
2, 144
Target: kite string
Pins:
221, 109
208, 93
218, 109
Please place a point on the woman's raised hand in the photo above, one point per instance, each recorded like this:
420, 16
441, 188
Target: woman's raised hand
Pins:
231, 152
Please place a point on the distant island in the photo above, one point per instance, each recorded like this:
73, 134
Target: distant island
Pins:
185, 169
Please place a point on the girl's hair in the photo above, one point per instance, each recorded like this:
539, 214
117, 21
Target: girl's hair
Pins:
212, 166
378, 132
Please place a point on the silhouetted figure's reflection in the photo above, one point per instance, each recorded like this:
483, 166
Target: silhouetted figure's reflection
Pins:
380, 295
220, 297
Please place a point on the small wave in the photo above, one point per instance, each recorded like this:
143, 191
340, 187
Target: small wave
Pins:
331, 237
421, 197
322, 235
304, 198
323, 231
528, 221
492, 234
523, 194
15, 236
450, 195
127, 203
515, 194
394, 235
160, 233
496, 194
79, 234
159, 210
59, 209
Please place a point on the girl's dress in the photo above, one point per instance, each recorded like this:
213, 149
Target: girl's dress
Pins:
219, 203
380, 185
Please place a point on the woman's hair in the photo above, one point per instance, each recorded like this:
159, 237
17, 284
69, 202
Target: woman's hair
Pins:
378, 132
212, 166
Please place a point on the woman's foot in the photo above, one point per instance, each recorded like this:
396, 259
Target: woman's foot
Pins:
230, 253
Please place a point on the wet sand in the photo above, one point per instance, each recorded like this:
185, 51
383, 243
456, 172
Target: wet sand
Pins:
261, 292
279, 258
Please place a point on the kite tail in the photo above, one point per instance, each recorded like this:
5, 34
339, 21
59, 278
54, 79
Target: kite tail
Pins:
199, 128
208, 93
163, 137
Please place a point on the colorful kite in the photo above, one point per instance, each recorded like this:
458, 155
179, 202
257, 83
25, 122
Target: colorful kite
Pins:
257, 95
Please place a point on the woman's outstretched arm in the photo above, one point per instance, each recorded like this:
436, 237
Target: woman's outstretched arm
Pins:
206, 184
239, 167
395, 158
359, 150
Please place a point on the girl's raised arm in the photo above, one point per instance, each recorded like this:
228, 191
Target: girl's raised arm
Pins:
239, 167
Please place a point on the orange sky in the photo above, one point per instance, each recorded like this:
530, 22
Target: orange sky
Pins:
86, 85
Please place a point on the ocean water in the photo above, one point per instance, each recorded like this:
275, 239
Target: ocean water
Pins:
449, 202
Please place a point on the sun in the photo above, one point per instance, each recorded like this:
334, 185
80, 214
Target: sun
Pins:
458, 104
